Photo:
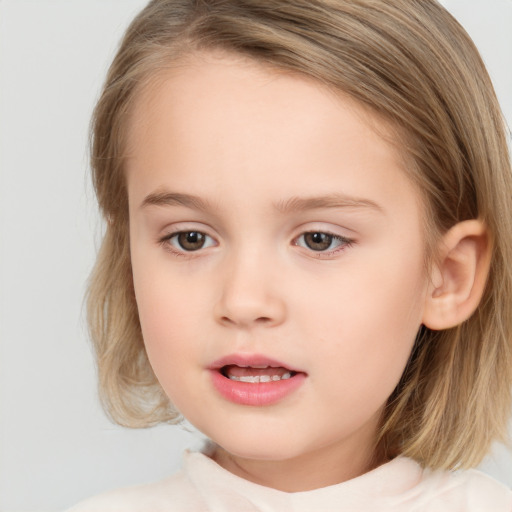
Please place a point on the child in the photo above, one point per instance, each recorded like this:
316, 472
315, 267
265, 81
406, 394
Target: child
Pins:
309, 220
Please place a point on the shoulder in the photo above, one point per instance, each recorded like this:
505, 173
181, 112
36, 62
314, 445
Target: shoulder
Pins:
467, 491
175, 492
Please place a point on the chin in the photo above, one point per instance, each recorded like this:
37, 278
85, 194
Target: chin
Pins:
257, 444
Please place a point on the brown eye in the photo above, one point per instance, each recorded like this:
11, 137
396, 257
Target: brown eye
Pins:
321, 242
183, 242
318, 241
190, 240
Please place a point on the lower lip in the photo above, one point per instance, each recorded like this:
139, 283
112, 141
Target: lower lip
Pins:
258, 393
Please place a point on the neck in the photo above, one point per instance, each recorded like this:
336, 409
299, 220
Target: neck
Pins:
329, 465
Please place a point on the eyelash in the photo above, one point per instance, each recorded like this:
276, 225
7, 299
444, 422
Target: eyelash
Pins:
166, 242
344, 243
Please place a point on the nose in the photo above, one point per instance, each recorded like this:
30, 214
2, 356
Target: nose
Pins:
250, 294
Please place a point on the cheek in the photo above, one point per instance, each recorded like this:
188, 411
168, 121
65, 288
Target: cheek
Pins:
166, 318
384, 294
172, 342
166, 312
163, 298
369, 319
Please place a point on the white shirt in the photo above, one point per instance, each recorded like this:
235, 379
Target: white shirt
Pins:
399, 486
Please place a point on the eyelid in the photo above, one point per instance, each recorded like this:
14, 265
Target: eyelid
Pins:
345, 243
184, 227
172, 232
207, 237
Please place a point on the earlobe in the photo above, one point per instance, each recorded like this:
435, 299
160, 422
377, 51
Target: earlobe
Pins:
459, 275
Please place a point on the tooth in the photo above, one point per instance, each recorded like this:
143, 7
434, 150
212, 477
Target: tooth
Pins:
261, 367
254, 379
250, 378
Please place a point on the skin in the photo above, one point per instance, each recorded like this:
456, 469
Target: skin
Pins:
246, 141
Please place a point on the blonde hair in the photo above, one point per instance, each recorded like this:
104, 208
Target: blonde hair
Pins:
411, 63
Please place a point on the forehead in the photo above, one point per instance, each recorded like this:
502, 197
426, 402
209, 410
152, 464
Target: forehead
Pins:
217, 117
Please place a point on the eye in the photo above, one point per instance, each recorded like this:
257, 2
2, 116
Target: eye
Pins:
319, 241
189, 241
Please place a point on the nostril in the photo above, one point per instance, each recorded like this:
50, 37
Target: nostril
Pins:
263, 320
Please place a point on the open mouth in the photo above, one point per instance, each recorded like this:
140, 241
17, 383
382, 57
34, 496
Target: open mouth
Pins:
254, 379
256, 374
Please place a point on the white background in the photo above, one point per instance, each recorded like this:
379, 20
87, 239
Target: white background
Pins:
56, 447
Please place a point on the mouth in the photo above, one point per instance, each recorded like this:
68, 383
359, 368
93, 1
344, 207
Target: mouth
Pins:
256, 374
254, 380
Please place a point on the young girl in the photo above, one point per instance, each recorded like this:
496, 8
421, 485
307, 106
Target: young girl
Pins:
309, 230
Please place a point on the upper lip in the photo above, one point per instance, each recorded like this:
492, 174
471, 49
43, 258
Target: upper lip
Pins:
251, 360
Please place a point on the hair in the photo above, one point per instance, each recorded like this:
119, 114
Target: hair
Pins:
409, 62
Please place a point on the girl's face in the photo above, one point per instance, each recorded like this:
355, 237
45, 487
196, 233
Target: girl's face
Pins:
278, 264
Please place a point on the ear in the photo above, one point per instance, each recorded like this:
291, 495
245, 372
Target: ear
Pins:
458, 277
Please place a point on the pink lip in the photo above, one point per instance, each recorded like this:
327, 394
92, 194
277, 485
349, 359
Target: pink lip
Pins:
255, 394
250, 360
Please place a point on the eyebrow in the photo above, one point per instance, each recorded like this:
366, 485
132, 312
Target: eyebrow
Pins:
175, 199
295, 204
291, 205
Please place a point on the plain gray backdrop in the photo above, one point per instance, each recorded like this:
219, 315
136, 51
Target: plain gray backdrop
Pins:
56, 447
